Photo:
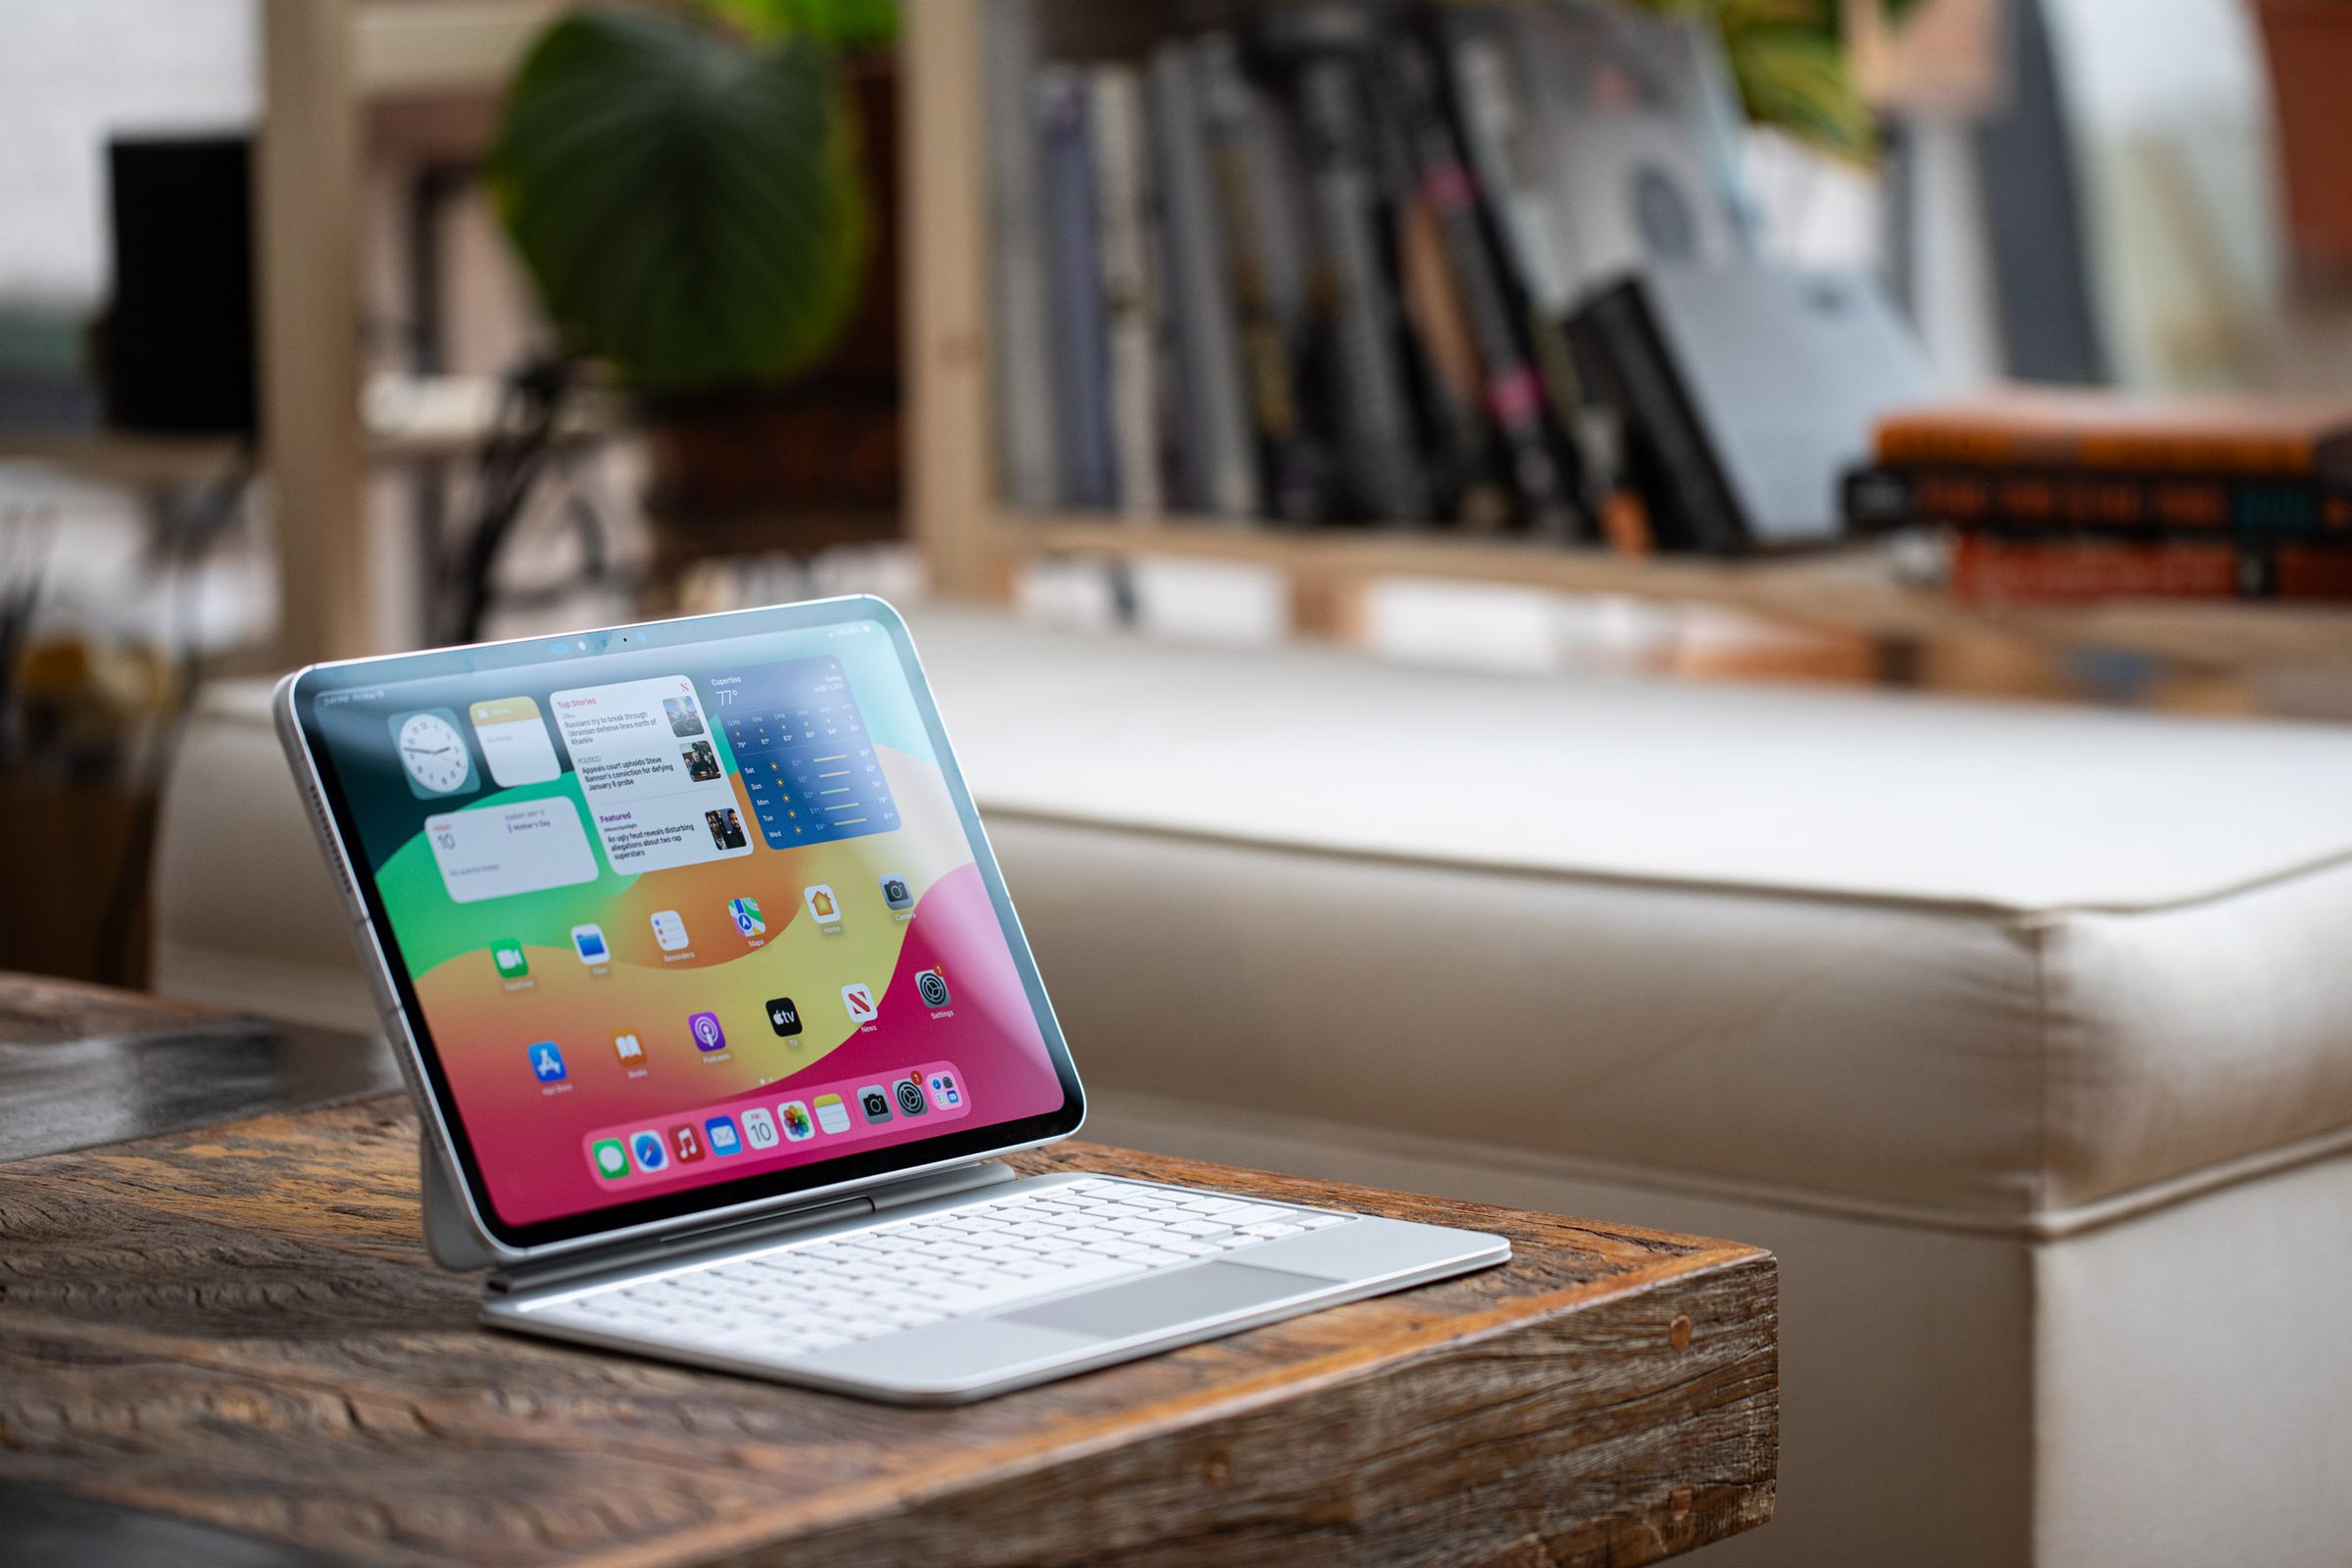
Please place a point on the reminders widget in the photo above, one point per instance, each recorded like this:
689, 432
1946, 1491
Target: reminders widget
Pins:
804, 1124
801, 745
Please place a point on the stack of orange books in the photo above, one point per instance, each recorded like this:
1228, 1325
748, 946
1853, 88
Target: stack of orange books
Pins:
2065, 495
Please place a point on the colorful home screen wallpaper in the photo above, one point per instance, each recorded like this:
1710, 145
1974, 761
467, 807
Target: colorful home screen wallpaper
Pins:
676, 916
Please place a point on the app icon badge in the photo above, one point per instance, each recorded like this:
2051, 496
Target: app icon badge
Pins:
547, 1062
943, 1093
759, 1127
611, 1160
797, 1125
707, 1035
749, 921
831, 1114
782, 1016
686, 1142
823, 904
509, 957
859, 1001
894, 891
669, 930
628, 1047
719, 1133
910, 1095
932, 985
646, 1148
588, 940
873, 1102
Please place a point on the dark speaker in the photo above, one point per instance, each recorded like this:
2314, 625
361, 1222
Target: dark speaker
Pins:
179, 340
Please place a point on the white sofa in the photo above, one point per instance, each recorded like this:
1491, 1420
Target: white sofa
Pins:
2024, 1036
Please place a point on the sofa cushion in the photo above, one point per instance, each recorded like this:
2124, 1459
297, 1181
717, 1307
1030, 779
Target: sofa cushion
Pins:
1989, 967
1992, 965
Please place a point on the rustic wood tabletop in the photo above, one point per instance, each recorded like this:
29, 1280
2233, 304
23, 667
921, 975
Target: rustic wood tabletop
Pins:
225, 1342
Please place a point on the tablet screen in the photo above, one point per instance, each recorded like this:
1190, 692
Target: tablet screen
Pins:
683, 913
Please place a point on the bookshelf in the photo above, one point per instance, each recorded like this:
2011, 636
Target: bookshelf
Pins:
975, 542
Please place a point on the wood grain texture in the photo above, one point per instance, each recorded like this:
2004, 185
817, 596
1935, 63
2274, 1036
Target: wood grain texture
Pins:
238, 1325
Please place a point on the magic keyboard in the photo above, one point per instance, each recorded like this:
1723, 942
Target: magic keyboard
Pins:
895, 1274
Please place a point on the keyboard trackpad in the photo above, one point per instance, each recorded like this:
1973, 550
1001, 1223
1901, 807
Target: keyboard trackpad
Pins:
1168, 1300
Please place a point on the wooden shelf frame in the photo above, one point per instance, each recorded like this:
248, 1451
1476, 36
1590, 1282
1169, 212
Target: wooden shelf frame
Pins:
974, 543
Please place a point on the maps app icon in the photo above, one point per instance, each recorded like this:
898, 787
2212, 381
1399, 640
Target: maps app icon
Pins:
745, 912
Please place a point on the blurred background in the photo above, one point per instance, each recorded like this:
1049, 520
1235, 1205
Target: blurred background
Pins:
1680, 340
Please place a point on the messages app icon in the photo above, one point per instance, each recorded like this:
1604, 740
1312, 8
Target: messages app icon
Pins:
612, 1161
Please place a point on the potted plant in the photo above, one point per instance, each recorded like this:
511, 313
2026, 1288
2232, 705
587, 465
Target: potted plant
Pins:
703, 195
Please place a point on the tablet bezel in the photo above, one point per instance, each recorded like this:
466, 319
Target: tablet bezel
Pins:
747, 1196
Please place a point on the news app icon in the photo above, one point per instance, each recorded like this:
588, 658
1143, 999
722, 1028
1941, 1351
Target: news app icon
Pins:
859, 1000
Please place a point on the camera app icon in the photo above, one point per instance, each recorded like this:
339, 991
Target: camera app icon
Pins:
894, 891
873, 1103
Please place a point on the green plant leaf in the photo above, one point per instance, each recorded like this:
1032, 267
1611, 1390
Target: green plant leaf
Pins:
688, 206
842, 24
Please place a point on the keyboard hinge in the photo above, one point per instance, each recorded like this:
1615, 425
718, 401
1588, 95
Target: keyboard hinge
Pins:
666, 1248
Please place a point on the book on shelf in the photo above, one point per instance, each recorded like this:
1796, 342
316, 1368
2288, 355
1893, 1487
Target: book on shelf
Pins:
2068, 427
1125, 210
1081, 327
1028, 461
1208, 411
1991, 569
1747, 393
1256, 195
1401, 264
1378, 449
2126, 502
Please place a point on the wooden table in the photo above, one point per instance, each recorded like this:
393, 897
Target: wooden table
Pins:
232, 1331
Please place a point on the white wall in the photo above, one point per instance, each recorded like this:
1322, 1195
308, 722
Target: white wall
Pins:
73, 73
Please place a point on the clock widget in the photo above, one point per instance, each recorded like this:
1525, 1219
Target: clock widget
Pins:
433, 754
